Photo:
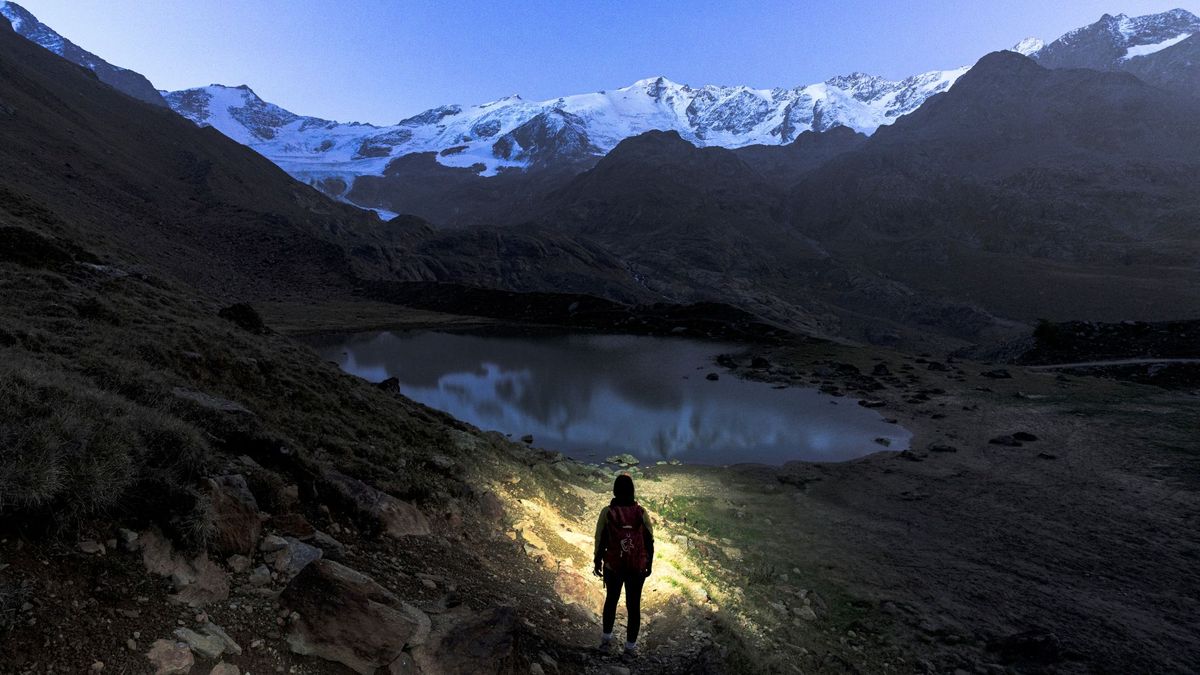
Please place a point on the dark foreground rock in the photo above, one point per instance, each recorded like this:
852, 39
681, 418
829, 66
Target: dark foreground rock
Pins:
346, 617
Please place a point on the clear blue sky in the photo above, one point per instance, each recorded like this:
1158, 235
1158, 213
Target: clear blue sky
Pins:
380, 61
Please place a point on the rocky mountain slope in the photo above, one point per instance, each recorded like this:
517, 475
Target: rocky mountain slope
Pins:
1162, 49
1135, 44
1030, 191
121, 79
143, 183
408, 166
514, 133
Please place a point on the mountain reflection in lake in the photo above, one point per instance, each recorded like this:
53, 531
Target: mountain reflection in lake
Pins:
591, 396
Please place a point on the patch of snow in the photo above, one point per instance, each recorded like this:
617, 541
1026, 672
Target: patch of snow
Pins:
1028, 46
384, 214
13, 17
1145, 50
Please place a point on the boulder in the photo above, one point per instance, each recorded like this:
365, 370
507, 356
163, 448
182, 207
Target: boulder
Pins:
261, 576
395, 517
466, 642
491, 506
237, 524
292, 524
623, 459
391, 385
348, 618
245, 317
170, 658
207, 646
330, 548
294, 557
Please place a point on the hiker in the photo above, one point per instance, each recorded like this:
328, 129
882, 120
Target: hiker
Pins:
625, 548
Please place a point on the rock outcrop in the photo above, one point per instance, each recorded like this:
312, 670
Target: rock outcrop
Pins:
346, 617
394, 517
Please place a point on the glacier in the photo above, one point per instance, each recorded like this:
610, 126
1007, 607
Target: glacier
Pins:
512, 133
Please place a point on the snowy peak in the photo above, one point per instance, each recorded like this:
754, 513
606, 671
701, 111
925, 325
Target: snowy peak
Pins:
515, 133
26, 25
1028, 46
237, 111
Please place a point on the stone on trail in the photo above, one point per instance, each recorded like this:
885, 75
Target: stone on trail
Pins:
1006, 441
712, 377
225, 669
942, 447
348, 618
170, 658
1025, 437
207, 646
997, 374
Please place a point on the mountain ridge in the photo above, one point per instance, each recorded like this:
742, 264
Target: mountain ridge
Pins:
122, 79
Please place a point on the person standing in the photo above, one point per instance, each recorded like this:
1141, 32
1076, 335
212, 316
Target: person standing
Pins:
623, 557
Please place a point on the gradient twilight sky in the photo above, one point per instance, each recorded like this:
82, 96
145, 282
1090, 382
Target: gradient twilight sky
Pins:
380, 61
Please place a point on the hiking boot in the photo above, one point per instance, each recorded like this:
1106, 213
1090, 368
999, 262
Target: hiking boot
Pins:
630, 652
605, 645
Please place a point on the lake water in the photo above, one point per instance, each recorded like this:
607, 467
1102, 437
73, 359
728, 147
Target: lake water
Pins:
591, 396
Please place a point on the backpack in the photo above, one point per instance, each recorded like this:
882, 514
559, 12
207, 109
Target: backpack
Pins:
625, 539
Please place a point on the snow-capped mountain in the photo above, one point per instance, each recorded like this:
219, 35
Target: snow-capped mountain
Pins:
27, 25
1113, 41
513, 132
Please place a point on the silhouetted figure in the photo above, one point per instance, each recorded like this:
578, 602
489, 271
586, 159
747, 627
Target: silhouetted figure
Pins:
625, 549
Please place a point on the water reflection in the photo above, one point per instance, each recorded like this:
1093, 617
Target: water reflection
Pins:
595, 395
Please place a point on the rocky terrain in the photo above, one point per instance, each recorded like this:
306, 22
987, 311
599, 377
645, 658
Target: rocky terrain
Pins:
186, 489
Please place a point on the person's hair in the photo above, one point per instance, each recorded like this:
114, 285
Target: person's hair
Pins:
623, 488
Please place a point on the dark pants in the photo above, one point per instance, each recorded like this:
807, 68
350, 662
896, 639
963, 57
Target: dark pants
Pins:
613, 581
